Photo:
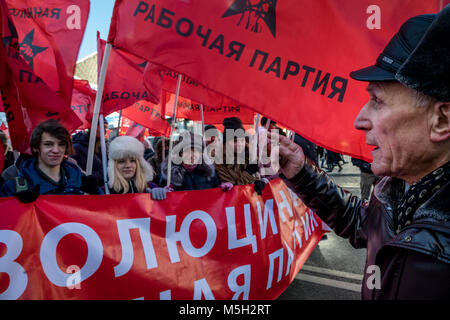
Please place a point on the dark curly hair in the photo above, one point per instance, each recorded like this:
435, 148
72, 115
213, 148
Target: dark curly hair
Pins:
54, 128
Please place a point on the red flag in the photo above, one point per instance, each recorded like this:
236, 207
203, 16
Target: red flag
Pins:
83, 99
40, 46
289, 60
149, 116
188, 109
123, 82
157, 78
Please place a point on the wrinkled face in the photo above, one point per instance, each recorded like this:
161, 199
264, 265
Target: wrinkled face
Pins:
127, 167
51, 151
397, 128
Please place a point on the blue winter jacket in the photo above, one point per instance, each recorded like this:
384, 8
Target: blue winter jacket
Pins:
70, 184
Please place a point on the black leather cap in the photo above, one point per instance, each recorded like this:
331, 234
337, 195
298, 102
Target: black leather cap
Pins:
397, 50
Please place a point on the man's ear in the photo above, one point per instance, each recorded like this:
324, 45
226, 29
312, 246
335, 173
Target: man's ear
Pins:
440, 122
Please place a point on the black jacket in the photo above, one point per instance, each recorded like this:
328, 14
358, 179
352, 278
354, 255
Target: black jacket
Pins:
81, 148
414, 264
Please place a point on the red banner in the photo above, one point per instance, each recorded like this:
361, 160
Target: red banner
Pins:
289, 60
123, 82
188, 109
148, 115
40, 46
193, 245
83, 100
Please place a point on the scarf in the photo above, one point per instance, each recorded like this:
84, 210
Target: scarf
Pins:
419, 193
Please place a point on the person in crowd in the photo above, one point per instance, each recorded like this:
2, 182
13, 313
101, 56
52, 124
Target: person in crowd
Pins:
333, 159
7, 152
48, 171
235, 173
321, 155
212, 139
148, 152
405, 225
367, 178
272, 126
194, 171
308, 148
156, 160
81, 148
128, 172
13, 170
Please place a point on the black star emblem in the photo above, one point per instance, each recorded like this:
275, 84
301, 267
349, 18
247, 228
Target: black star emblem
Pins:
26, 48
255, 10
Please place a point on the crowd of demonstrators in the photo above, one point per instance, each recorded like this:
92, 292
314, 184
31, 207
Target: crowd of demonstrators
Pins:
48, 171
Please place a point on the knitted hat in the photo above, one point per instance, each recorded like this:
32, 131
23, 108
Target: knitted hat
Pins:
127, 147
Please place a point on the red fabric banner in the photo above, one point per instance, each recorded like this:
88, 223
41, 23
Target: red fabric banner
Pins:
188, 109
83, 100
157, 78
289, 60
193, 245
39, 45
123, 81
148, 115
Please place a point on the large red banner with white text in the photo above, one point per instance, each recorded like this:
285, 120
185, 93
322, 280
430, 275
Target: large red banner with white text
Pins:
205, 244
288, 60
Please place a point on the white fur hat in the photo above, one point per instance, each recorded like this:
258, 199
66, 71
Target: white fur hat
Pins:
127, 147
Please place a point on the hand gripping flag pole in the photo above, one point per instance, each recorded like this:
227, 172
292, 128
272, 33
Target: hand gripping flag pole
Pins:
172, 125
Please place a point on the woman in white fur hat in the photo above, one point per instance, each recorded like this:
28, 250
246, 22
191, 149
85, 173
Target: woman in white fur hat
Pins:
128, 172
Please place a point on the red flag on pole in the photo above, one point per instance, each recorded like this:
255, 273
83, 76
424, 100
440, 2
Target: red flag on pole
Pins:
148, 115
124, 80
39, 50
188, 109
288, 60
83, 98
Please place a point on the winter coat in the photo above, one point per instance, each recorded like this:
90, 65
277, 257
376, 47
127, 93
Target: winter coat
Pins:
235, 174
132, 188
204, 176
414, 264
71, 183
81, 147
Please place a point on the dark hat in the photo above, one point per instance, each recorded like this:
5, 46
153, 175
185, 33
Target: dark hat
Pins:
418, 56
232, 123
264, 121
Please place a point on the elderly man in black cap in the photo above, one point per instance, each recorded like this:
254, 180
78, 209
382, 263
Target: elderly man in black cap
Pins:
406, 225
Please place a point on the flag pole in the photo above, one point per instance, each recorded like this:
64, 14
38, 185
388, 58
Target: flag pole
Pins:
203, 120
103, 148
257, 137
172, 125
98, 101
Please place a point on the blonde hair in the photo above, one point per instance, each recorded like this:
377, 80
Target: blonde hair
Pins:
121, 184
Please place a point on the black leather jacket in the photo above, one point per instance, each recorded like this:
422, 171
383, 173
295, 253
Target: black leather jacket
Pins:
414, 264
